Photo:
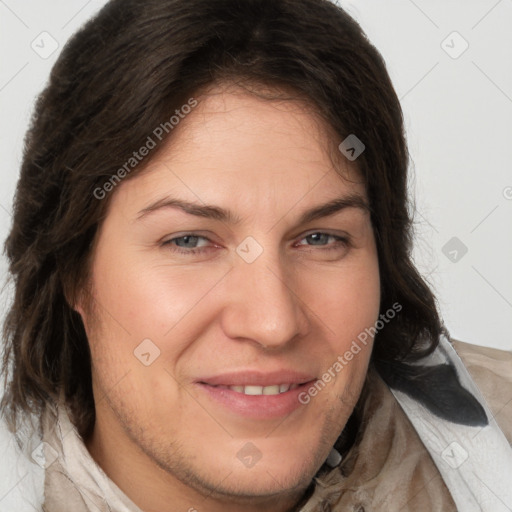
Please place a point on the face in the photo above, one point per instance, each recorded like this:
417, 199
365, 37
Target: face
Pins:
221, 299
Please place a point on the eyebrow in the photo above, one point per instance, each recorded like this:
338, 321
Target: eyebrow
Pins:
223, 215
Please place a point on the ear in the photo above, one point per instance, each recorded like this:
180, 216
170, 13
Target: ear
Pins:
80, 302
74, 297
78, 307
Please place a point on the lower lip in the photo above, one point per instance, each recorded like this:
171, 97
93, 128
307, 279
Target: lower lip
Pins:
257, 406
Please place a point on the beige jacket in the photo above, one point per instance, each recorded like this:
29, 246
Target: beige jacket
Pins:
388, 469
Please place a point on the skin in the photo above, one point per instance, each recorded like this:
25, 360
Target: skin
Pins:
299, 305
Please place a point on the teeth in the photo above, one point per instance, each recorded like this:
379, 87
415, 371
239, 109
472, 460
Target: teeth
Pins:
271, 390
275, 389
253, 390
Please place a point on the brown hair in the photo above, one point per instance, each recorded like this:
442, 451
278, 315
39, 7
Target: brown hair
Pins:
122, 75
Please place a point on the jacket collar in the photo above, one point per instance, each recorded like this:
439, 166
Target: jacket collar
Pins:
469, 448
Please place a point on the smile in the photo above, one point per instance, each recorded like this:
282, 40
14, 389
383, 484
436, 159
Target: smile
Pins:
273, 389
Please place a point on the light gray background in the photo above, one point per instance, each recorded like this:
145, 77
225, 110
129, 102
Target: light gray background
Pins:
458, 115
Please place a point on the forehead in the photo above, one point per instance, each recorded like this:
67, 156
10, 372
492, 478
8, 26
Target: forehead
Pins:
231, 120
235, 146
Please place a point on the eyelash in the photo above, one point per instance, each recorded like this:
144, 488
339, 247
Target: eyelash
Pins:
341, 242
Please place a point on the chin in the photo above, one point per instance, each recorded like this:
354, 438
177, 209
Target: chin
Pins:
264, 481
266, 467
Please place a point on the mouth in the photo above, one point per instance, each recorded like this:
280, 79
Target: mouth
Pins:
254, 390
256, 396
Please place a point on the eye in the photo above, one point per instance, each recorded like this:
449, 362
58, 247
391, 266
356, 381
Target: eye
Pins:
186, 244
196, 244
321, 239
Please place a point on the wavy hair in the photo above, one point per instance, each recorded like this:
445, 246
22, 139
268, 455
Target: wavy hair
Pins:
124, 73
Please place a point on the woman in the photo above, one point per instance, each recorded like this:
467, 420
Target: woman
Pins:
215, 304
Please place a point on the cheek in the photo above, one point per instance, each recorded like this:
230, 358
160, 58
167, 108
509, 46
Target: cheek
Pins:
349, 305
140, 301
347, 301
147, 297
141, 296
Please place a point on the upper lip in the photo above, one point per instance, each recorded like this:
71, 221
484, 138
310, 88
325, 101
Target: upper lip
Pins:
257, 378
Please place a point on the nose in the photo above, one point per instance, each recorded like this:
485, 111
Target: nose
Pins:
263, 303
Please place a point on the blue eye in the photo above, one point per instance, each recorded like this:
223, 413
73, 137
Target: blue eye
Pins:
320, 239
188, 241
188, 244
